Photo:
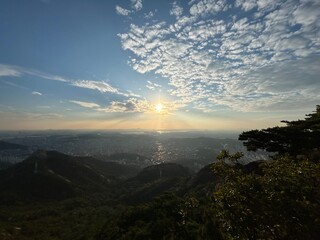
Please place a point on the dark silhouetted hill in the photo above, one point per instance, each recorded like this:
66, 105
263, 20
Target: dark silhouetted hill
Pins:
151, 182
11, 146
204, 182
53, 175
5, 164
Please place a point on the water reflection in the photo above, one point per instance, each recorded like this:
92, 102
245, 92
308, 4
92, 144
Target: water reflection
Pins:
159, 153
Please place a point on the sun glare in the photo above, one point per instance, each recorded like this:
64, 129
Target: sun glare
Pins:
159, 107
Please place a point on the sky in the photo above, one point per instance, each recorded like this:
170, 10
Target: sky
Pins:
146, 64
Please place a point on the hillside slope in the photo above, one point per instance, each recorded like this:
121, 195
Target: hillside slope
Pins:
53, 175
11, 146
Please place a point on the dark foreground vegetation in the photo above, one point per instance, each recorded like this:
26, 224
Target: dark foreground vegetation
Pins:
55, 196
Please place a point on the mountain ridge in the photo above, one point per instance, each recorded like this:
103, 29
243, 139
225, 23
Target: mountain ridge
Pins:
53, 175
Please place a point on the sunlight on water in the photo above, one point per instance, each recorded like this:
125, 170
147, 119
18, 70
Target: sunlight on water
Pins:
159, 154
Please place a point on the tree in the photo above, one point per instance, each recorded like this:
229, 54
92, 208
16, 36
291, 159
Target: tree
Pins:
166, 217
281, 203
297, 137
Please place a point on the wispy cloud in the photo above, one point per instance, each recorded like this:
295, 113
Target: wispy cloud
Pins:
101, 86
36, 93
136, 5
176, 10
8, 71
153, 86
243, 56
246, 5
129, 105
150, 14
86, 104
14, 84
44, 107
16, 71
122, 11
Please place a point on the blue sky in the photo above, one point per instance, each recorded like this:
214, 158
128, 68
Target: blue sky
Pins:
211, 64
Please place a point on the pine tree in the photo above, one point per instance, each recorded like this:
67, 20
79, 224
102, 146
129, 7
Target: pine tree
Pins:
297, 137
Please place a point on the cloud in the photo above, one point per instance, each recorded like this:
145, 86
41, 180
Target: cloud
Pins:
129, 105
279, 86
150, 14
16, 71
47, 76
101, 86
86, 104
246, 5
136, 105
153, 86
176, 10
307, 13
207, 7
14, 84
245, 56
122, 11
36, 93
8, 71
137, 5
44, 107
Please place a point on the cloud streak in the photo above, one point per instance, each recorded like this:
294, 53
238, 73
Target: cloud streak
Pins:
16, 71
101, 86
130, 102
8, 71
129, 105
36, 93
85, 104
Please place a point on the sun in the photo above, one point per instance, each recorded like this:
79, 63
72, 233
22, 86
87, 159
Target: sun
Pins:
159, 108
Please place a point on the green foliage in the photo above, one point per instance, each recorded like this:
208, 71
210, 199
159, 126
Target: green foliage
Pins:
77, 218
282, 203
297, 137
226, 156
167, 217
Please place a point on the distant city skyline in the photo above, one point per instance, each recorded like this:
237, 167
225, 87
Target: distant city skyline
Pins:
142, 64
